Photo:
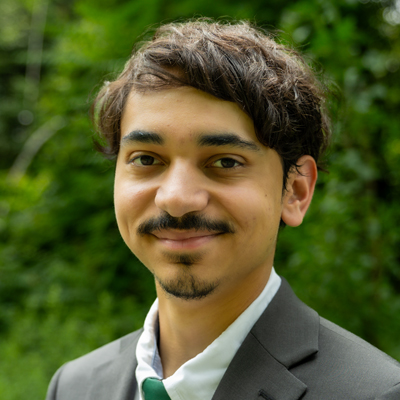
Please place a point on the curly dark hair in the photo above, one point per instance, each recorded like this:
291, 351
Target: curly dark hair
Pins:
234, 62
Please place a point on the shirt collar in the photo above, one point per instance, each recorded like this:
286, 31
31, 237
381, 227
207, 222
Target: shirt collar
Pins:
199, 377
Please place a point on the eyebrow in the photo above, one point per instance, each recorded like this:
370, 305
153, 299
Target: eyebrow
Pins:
211, 140
140, 136
227, 139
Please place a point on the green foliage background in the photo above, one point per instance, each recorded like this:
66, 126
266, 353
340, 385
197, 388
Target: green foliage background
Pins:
68, 284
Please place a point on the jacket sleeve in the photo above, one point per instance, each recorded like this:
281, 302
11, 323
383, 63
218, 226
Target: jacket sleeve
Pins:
392, 394
52, 390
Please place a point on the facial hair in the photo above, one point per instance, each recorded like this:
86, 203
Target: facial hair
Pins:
186, 286
186, 222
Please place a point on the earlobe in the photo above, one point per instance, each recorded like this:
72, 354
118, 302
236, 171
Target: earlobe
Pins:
299, 191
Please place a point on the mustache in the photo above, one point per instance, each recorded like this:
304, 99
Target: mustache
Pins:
186, 222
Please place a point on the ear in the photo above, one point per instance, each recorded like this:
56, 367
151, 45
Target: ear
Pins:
299, 191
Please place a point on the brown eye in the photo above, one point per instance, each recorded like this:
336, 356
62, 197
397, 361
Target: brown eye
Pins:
145, 160
226, 163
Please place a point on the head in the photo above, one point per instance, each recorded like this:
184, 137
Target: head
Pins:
217, 130
240, 63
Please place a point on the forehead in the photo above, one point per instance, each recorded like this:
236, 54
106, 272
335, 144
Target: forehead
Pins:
184, 113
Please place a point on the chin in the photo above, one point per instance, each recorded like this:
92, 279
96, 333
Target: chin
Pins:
187, 286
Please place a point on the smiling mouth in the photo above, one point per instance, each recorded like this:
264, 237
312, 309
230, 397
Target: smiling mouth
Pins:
184, 240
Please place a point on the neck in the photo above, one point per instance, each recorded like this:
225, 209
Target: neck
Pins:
188, 327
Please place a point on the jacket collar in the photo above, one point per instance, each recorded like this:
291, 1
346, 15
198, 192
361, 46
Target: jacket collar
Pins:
116, 379
285, 335
288, 329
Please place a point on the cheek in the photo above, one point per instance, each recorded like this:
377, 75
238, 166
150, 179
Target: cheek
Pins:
130, 201
253, 207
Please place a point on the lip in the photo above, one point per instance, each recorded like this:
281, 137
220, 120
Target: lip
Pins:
184, 240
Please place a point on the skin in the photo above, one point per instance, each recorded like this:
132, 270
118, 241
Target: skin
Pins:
184, 152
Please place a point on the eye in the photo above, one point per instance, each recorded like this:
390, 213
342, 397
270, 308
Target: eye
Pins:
145, 160
226, 162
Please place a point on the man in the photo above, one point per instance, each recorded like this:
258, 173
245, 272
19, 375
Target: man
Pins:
218, 133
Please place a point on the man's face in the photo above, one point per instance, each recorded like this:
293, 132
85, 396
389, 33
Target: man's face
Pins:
198, 198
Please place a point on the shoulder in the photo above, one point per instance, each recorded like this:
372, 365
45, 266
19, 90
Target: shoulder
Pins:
83, 366
73, 379
356, 351
346, 364
332, 362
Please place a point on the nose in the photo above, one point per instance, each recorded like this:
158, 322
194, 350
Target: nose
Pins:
182, 191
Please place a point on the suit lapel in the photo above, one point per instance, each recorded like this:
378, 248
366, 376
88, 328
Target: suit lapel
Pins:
116, 379
285, 335
255, 375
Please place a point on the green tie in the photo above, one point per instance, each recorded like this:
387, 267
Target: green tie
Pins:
154, 389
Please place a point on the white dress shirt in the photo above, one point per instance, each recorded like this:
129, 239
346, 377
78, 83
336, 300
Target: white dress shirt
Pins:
198, 378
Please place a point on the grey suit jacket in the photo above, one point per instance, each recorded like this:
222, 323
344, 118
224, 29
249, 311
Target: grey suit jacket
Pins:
290, 353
